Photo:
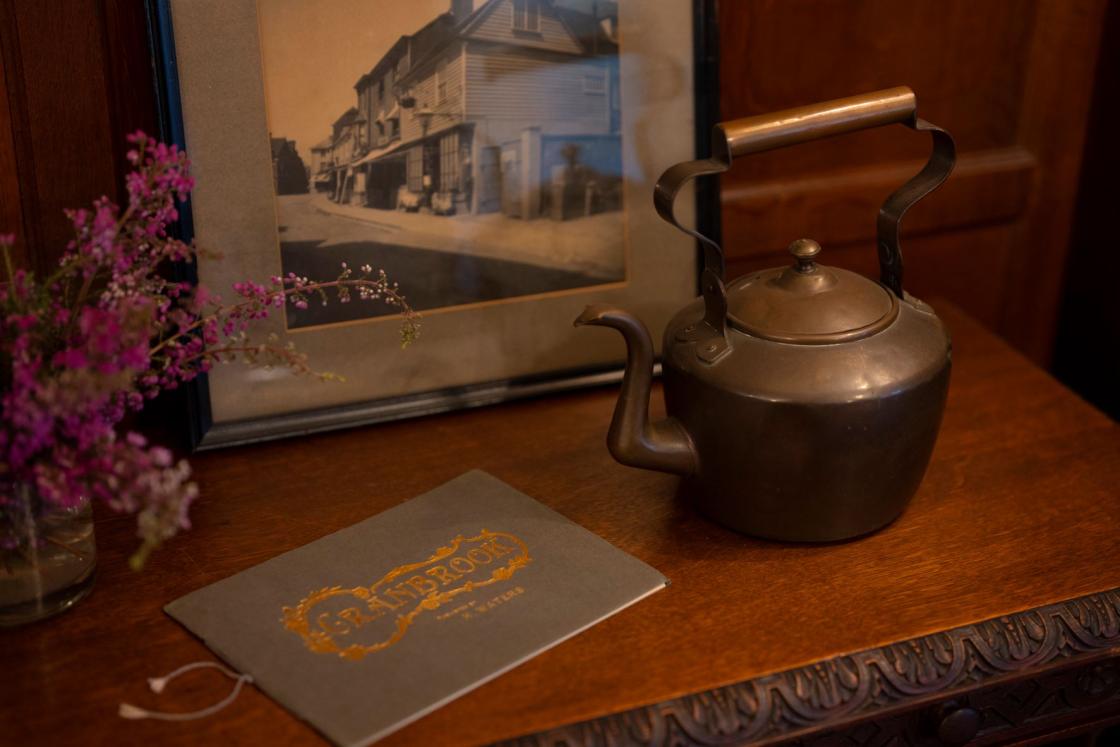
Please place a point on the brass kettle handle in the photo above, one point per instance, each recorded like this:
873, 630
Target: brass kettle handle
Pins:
798, 125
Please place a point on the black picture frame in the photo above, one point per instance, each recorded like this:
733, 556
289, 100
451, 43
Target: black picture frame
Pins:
204, 433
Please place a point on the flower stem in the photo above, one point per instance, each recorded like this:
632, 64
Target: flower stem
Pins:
391, 297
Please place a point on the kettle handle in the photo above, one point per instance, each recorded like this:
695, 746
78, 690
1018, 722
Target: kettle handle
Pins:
789, 127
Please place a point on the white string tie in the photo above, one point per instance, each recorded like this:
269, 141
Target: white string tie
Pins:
157, 684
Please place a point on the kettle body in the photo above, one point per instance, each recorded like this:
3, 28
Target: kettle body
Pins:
803, 401
810, 442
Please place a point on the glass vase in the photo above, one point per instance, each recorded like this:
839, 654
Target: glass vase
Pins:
47, 556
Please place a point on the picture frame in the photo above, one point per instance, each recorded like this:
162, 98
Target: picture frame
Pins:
505, 343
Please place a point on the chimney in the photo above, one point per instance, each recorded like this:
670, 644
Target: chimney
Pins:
461, 8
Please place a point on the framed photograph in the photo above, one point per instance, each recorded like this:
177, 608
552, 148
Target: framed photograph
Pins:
496, 158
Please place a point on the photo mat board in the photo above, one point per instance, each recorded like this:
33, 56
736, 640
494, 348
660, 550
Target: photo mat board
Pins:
499, 214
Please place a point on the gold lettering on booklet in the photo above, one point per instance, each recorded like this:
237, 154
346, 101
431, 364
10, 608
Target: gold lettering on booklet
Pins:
476, 607
362, 620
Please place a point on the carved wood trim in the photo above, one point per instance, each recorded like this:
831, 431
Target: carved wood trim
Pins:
876, 682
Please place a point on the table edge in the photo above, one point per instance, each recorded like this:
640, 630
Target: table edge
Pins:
830, 692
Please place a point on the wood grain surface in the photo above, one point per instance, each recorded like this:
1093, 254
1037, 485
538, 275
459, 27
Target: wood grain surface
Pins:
75, 78
1020, 508
994, 239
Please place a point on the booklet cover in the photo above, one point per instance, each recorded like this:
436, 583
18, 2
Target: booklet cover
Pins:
368, 629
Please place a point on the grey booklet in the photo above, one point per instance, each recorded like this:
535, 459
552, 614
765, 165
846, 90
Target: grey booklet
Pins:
368, 629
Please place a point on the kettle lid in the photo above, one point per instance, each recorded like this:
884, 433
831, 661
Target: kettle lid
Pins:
808, 303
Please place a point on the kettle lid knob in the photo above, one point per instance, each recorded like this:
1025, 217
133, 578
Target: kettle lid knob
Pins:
804, 250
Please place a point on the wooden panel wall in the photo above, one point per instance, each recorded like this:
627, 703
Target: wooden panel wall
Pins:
1010, 79
11, 206
76, 77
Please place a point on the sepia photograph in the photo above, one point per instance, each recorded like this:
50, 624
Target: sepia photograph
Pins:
471, 149
493, 158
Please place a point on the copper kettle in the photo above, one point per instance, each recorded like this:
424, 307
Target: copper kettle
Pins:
803, 401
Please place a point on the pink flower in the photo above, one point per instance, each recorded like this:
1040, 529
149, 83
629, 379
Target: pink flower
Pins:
105, 332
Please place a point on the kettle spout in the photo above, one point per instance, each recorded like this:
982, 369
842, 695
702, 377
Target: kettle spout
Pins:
664, 446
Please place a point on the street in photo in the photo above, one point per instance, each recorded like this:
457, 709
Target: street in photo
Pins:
471, 150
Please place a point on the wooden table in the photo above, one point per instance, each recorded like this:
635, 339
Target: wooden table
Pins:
993, 596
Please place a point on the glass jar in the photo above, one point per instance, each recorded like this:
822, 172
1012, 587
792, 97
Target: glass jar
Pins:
47, 556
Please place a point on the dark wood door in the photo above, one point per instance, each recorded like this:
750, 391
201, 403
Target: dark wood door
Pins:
1011, 79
